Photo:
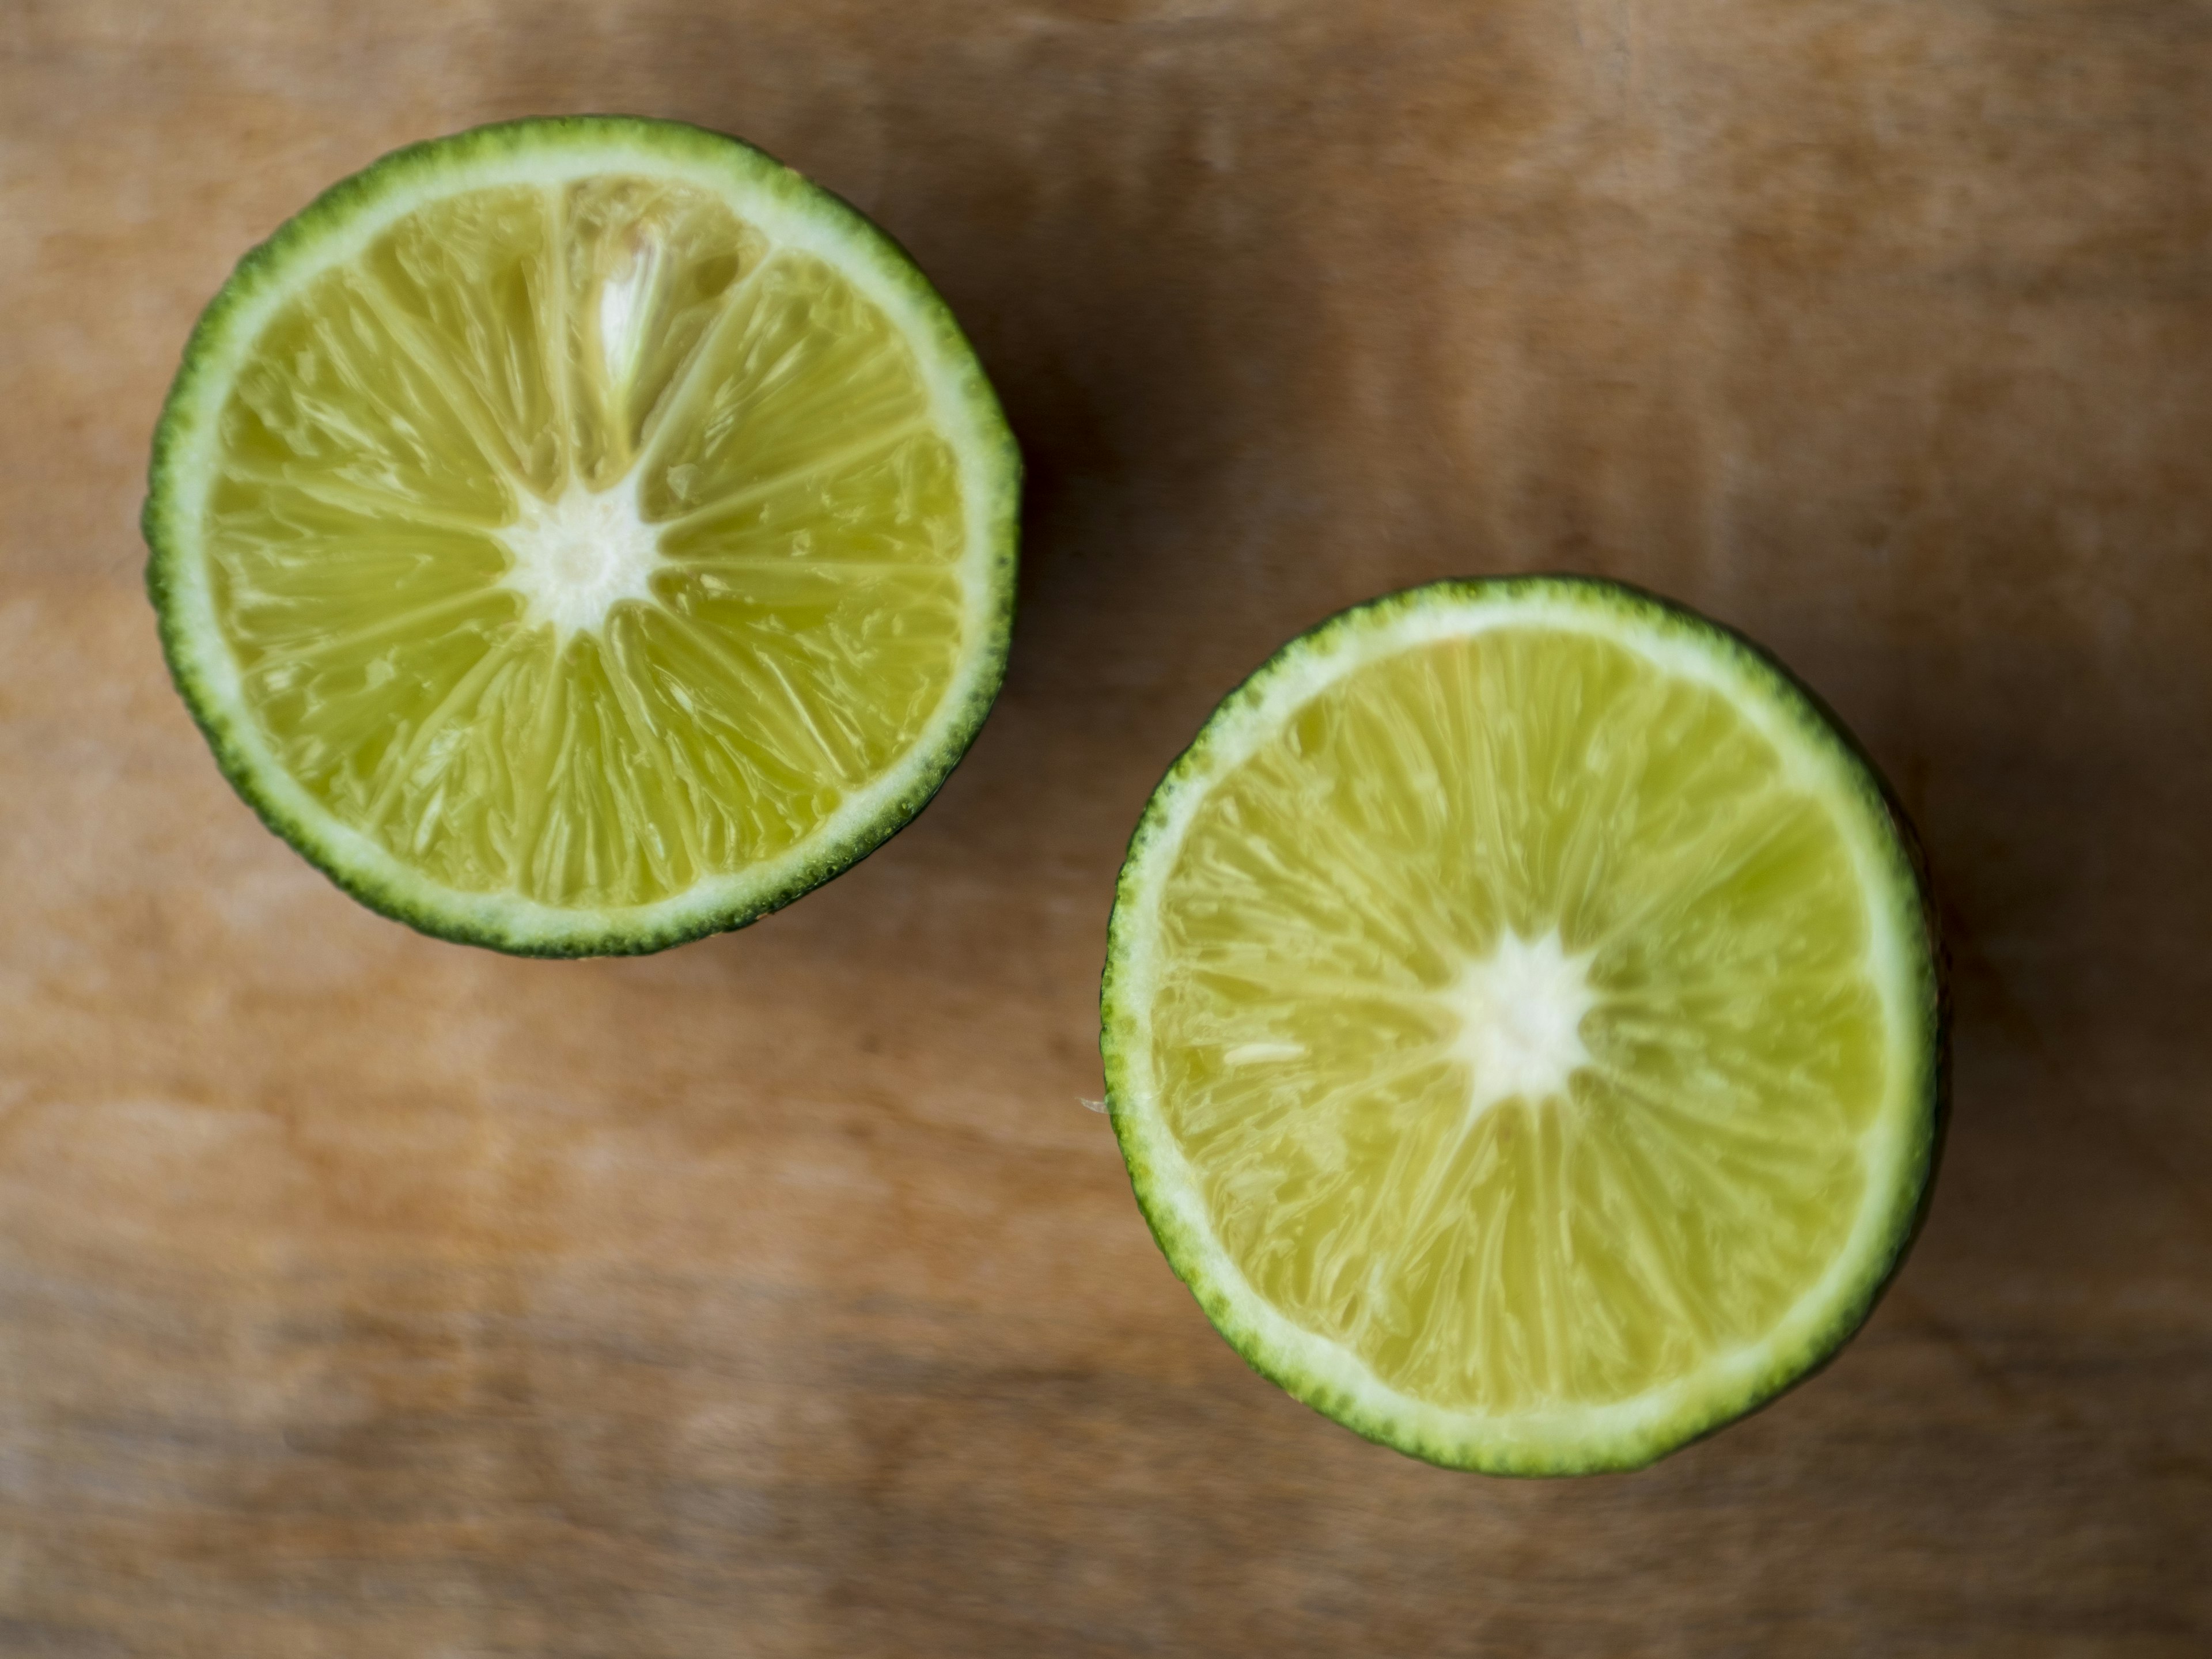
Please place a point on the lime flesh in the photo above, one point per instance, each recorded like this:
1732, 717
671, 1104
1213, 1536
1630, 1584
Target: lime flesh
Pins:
581, 535
1521, 1022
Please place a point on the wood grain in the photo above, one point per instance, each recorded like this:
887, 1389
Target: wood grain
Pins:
366, 1296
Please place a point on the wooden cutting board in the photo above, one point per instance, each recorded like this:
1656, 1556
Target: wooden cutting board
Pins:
366, 1296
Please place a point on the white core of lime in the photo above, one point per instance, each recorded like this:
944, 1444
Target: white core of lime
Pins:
1520, 1012
578, 557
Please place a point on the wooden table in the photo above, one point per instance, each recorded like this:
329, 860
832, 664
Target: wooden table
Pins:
366, 1296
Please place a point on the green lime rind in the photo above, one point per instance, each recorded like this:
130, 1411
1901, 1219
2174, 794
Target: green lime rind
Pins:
324, 233
1625, 1435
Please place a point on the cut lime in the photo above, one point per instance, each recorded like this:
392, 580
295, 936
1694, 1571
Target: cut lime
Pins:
582, 535
1522, 1023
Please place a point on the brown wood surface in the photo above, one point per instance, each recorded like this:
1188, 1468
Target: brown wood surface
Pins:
366, 1296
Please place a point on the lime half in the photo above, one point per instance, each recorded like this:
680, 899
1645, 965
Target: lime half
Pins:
581, 535
1523, 1025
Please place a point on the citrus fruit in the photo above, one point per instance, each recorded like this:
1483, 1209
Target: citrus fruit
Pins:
1523, 1025
581, 535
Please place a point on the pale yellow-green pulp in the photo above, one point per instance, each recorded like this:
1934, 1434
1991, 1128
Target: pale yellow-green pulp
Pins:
530, 355
1514, 1008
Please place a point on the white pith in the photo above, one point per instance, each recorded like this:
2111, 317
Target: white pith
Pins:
1519, 1012
577, 558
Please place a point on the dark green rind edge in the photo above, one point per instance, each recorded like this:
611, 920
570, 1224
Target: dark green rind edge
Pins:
1917, 917
267, 262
